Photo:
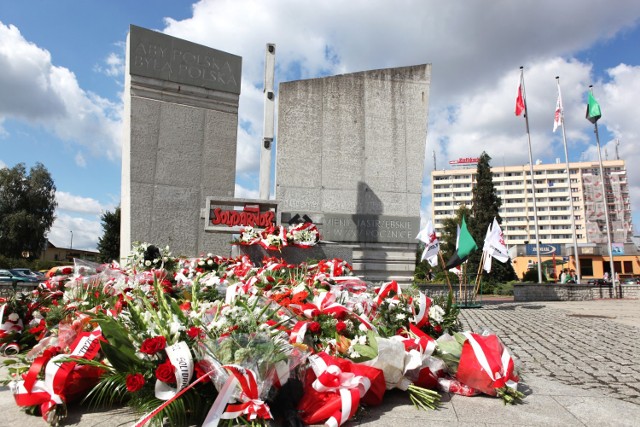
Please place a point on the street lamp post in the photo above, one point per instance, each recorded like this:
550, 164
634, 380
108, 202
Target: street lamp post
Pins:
71, 244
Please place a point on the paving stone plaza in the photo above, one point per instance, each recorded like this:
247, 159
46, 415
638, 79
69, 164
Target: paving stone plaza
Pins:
578, 361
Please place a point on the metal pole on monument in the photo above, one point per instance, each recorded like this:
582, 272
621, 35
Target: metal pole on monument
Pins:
521, 106
593, 114
559, 121
268, 124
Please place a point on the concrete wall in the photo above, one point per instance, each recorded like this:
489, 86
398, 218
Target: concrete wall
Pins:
179, 147
571, 292
354, 143
350, 156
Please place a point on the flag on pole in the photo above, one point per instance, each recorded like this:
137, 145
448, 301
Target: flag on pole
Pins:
557, 121
431, 244
494, 246
464, 246
520, 107
593, 109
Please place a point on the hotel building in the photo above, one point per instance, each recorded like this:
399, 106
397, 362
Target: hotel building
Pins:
454, 187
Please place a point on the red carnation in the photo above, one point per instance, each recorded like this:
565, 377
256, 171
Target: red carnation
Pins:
185, 306
194, 332
135, 382
341, 327
314, 327
165, 372
202, 368
153, 345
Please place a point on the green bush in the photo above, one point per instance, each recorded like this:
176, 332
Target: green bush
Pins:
532, 276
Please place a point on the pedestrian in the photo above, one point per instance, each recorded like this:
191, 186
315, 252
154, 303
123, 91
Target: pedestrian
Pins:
564, 276
606, 276
572, 277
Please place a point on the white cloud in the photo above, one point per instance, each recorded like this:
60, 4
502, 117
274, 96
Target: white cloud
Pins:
80, 160
72, 203
475, 49
245, 193
80, 215
2, 164
35, 91
85, 232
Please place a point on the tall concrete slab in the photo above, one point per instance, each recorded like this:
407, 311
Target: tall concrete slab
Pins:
179, 142
351, 154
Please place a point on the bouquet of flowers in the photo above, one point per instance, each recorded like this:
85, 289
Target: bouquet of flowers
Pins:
479, 364
303, 235
249, 236
274, 238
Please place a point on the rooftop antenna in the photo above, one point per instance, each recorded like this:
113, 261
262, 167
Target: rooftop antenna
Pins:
434, 160
617, 145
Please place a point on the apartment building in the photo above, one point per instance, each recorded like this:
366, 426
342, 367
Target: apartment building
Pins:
451, 188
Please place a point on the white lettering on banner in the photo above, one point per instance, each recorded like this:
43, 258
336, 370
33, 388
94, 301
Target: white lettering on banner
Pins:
180, 357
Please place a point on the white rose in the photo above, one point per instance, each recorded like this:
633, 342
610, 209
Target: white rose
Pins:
14, 317
436, 313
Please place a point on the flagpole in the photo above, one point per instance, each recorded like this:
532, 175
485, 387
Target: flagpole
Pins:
566, 155
606, 208
446, 273
533, 186
479, 276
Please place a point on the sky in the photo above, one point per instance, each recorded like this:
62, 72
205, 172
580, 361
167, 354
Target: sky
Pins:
62, 62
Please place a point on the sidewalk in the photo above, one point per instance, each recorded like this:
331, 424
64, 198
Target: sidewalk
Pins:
578, 360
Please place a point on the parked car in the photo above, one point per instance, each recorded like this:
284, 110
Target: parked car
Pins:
28, 273
631, 281
7, 276
598, 282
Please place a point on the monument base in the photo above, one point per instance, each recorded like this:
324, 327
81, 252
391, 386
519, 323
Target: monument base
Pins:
372, 262
295, 255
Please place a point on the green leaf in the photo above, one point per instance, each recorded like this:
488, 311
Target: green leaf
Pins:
373, 341
366, 352
123, 360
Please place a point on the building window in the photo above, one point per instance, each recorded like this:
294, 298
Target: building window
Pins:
628, 267
586, 266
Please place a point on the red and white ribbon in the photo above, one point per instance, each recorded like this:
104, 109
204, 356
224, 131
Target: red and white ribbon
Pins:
502, 376
250, 404
50, 392
386, 289
330, 378
181, 359
422, 317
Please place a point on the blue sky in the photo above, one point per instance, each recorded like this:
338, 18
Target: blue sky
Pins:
63, 64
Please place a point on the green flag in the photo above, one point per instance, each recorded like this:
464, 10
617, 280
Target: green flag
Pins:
464, 246
593, 109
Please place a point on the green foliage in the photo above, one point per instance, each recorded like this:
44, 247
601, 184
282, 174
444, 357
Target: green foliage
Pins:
450, 231
109, 243
486, 206
27, 207
531, 275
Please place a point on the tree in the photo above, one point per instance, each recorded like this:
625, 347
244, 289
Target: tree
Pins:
109, 243
486, 206
27, 207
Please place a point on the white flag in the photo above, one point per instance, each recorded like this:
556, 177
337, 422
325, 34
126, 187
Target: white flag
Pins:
557, 121
495, 246
487, 251
431, 244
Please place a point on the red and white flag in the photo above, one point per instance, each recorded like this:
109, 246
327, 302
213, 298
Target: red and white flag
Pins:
520, 107
557, 120
431, 244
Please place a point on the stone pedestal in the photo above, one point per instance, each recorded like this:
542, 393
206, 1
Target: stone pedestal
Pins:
179, 142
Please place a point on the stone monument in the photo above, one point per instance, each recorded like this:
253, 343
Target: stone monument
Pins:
351, 157
179, 144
